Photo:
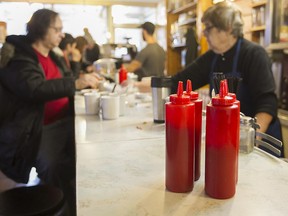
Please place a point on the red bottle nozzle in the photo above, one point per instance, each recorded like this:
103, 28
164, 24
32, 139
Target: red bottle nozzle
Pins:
223, 99
179, 98
188, 86
180, 89
223, 89
226, 86
189, 92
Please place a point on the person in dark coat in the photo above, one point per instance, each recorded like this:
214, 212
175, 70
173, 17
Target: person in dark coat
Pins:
37, 120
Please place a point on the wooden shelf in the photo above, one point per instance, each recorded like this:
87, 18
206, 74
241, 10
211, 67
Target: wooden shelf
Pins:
188, 22
278, 46
258, 4
178, 46
185, 8
258, 28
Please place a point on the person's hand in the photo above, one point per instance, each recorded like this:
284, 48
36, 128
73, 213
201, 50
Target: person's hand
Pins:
75, 53
90, 69
87, 80
144, 85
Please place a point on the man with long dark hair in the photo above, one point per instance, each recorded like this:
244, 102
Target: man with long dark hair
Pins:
38, 130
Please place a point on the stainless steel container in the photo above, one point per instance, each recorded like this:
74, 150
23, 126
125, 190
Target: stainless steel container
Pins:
161, 89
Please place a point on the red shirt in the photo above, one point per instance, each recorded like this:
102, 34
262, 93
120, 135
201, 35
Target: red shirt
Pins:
55, 109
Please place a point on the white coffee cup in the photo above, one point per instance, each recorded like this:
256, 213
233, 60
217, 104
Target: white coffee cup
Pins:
110, 106
92, 103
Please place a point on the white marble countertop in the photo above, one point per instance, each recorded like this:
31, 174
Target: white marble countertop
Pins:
121, 172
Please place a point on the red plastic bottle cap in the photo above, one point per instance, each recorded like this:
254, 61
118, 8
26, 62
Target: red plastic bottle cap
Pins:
233, 95
223, 99
192, 94
180, 98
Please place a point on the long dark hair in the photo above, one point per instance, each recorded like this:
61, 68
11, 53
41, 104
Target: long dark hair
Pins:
39, 23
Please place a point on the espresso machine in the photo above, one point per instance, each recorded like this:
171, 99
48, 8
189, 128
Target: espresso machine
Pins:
121, 52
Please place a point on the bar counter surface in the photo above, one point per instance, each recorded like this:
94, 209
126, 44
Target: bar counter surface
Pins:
121, 172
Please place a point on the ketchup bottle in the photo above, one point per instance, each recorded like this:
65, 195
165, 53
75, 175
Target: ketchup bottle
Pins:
194, 97
180, 136
122, 74
222, 138
237, 102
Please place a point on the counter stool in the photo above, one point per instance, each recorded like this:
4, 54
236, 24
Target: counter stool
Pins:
37, 200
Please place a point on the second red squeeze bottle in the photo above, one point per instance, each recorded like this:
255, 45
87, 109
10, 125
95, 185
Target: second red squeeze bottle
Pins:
180, 136
237, 102
222, 137
194, 97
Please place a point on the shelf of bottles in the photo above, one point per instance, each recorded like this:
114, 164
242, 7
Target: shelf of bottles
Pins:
258, 21
186, 12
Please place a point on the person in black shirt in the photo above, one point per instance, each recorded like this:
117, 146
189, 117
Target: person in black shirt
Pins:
239, 58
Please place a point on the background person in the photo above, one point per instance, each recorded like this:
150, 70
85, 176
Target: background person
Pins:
82, 45
150, 61
235, 56
71, 58
92, 52
70, 55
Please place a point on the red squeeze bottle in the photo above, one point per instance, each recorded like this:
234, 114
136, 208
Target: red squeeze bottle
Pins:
180, 136
194, 97
222, 138
122, 74
237, 102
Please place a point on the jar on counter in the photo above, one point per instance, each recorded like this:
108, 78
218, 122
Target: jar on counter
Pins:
247, 134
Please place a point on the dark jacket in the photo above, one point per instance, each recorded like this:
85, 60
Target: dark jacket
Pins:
26, 90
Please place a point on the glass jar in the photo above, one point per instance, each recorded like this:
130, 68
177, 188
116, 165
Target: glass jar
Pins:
247, 134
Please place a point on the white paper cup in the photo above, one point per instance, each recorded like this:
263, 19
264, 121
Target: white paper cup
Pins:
92, 103
110, 106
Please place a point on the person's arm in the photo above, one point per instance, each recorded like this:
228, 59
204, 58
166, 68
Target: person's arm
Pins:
133, 66
87, 80
259, 78
264, 120
198, 72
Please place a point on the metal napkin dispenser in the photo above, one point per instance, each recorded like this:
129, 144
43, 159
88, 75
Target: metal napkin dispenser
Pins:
248, 136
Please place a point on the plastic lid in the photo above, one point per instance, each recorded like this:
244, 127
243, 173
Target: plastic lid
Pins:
161, 81
180, 97
223, 99
193, 95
